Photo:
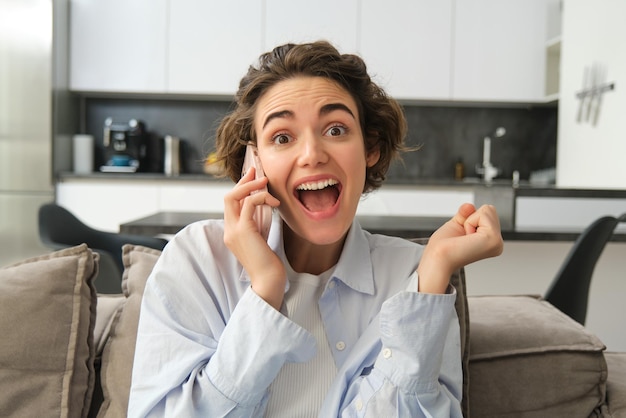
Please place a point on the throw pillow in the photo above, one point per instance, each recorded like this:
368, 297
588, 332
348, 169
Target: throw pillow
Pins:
47, 349
119, 353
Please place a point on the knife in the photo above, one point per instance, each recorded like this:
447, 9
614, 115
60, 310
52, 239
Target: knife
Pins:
582, 95
600, 89
593, 85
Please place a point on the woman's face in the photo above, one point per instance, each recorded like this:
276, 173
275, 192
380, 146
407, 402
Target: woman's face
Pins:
312, 151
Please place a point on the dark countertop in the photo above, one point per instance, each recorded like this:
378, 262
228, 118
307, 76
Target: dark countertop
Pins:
170, 223
563, 192
524, 189
97, 176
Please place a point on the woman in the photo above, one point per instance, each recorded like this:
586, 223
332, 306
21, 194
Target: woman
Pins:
323, 318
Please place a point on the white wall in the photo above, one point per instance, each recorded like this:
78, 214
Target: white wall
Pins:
588, 155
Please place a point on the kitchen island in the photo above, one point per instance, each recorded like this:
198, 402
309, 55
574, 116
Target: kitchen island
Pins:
169, 223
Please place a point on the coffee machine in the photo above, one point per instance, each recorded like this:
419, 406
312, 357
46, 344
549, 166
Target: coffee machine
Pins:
125, 146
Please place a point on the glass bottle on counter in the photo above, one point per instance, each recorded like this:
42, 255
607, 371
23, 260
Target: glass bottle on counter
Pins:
459, 170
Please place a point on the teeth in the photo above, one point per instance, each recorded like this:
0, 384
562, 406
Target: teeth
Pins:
317, 185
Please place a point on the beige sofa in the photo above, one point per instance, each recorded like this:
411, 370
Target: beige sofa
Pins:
68, 352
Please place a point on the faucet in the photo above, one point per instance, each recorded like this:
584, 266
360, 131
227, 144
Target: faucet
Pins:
487, 170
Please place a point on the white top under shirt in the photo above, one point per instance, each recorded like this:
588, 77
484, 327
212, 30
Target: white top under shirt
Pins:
300, 388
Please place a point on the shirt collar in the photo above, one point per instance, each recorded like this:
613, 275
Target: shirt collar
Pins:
355, 266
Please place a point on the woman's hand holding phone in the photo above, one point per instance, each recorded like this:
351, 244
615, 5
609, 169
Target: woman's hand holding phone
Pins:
247, 216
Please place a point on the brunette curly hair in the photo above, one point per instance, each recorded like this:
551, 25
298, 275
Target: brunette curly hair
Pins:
382, 120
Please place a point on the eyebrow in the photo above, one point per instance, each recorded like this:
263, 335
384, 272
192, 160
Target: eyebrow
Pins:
277, 115
326, 109
331, 107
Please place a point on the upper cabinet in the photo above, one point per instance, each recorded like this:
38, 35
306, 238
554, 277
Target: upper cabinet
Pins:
118, 45
499, 50
407, 46
441, 50
211, 44
301, 21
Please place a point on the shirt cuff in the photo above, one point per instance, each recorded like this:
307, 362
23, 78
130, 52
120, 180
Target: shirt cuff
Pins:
255, 344
414, 283
414, 328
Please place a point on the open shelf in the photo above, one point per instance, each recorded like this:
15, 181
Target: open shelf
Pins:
553, 64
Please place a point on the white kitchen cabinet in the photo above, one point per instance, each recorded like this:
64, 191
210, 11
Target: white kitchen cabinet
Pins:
545, 213
299, 21
499, 50
106, 204
211, 44
424, 201
193, 196
118, 45
459, 50
407, 46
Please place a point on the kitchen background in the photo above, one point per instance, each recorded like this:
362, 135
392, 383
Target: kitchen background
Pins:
461, 68
446, 134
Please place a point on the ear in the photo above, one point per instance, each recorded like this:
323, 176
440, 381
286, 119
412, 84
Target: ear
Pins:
372, 157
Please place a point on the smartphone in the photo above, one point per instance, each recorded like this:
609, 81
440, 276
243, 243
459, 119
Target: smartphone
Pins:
263, 213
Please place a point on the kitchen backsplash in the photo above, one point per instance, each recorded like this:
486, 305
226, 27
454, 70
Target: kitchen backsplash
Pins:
450, 134
446, 134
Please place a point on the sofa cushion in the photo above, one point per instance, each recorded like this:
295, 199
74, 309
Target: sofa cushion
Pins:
616, 384
529, 359
119, 352
47, 322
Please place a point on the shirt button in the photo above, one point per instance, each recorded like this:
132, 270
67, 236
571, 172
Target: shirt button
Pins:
359, 404
332, 285
387, 353
340, 345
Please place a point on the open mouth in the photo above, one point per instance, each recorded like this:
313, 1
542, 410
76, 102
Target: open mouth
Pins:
318, 196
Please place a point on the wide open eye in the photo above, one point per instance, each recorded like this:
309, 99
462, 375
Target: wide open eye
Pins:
281, 138
337, 130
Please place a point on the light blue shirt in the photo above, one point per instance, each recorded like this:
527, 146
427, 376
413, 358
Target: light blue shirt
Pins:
208, 346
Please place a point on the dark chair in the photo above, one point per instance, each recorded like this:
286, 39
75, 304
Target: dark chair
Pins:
59, 228
569, 290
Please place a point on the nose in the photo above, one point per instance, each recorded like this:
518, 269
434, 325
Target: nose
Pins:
313, 151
